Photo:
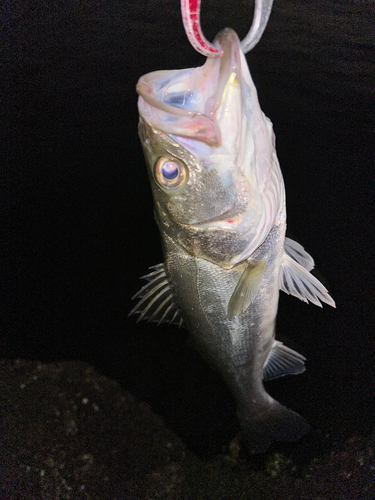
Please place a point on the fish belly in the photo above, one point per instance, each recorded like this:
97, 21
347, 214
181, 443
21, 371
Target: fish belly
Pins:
239, 347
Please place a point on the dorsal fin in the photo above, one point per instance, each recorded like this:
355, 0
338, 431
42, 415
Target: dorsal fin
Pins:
247, 288
156, 299
282, 361
296, 280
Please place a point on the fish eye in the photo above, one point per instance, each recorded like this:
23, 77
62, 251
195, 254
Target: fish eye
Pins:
170, 173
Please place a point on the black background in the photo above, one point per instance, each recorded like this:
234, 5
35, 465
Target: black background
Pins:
77, 226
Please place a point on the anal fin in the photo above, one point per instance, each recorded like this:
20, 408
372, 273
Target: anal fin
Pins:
283, 361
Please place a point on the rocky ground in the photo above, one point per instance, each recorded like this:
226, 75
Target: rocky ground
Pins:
70, 433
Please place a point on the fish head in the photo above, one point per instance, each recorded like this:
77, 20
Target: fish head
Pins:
210, 152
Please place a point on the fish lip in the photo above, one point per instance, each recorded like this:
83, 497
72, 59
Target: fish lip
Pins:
226, 217
229, 63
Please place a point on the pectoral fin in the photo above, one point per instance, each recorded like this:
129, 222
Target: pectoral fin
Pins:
247, 288
297, 281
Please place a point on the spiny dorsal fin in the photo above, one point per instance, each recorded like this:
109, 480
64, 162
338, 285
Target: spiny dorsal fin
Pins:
156, 299
298, 253
296, 280
247, 288
282, 361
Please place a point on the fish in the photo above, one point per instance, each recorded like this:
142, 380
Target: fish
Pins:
219, 201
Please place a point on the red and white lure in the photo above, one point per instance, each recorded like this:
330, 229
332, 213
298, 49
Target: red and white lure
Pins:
190, 10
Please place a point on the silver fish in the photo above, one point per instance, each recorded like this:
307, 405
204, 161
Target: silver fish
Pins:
220, 206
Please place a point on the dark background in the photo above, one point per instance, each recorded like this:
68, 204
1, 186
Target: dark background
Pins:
77, 226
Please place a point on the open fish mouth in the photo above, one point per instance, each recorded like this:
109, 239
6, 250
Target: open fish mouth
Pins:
187, 103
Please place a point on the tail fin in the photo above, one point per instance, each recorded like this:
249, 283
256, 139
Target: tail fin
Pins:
276, 423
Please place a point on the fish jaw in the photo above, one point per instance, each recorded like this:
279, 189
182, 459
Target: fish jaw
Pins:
212, 116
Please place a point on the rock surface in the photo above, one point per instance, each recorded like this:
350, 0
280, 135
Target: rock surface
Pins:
70, 433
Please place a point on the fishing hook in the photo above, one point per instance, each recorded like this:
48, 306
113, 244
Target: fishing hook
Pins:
190, 10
